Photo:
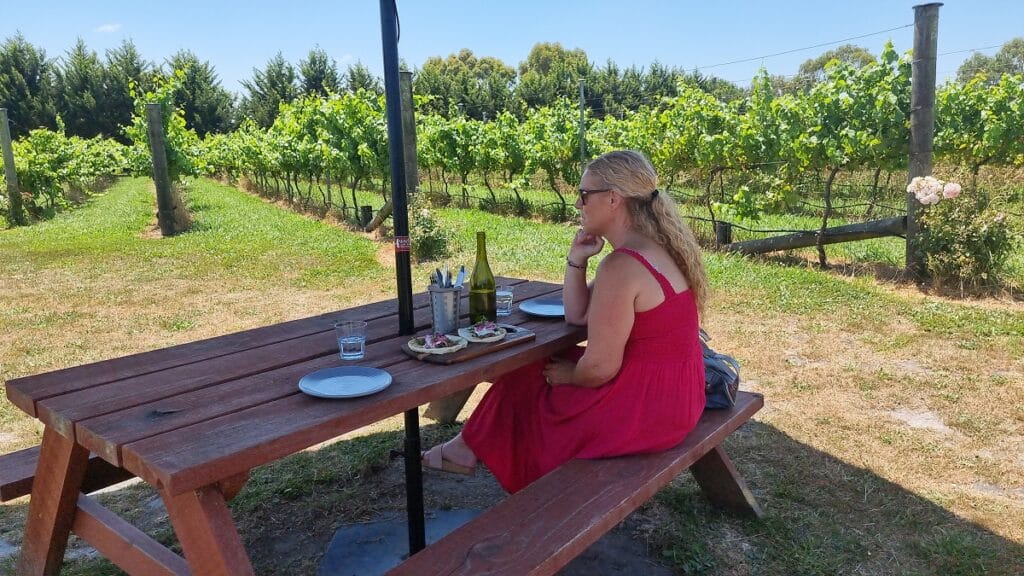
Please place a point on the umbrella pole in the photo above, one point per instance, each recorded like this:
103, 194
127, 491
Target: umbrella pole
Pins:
403, 275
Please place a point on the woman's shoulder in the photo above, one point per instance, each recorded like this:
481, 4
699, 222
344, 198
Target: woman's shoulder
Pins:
620, 268
620, 260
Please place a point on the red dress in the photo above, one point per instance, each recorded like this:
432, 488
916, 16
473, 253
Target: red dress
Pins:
524, 428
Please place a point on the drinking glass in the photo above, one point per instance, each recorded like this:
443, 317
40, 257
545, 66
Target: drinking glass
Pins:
503, 297
351, 335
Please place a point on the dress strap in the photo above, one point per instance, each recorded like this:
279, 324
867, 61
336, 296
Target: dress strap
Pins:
666, 286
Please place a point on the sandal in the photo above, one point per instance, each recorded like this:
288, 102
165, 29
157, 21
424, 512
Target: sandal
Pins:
434, 459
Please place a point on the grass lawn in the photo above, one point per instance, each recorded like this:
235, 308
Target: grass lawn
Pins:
892, 441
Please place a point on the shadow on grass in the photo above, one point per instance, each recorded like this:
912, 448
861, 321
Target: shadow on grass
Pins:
823, 516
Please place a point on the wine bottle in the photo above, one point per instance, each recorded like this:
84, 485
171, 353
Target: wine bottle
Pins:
482, 304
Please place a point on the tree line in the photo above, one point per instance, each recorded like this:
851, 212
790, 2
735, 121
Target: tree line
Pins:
90, 93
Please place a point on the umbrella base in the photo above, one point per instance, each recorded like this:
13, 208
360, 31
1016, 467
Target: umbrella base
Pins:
373, 548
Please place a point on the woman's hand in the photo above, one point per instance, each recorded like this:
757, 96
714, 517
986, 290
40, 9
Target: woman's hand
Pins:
584, 246
559, 371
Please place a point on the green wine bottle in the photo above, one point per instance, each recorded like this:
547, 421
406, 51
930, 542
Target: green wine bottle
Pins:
482, 304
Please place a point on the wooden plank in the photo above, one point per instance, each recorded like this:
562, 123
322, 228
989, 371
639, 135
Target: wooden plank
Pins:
25, 392
123, 544
17, 470
207, 532
723, 485
108, 433
543, 527
190, 404
52, 507
516, 335
189, 457
62, 411
847, 233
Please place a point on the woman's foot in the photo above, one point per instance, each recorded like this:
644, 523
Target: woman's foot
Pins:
452, 456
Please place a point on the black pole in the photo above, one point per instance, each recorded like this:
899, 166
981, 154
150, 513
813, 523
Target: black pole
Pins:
413, 471
396, 151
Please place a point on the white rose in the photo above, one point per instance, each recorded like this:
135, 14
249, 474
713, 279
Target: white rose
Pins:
951, 190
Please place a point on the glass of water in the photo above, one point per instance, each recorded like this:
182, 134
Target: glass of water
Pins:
503, 297
351, 335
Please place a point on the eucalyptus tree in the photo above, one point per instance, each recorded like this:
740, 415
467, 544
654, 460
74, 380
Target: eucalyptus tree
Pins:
26, 86
479, 88
812, 70
549, 73
1009, 60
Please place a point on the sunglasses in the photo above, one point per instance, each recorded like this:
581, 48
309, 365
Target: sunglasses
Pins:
584, 193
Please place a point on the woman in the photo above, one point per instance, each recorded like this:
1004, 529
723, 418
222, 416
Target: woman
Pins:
639, 385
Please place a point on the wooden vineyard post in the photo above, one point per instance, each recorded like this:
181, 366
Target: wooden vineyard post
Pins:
412, 178
922, 124
723, 233
166, 201
409, 132
15, 210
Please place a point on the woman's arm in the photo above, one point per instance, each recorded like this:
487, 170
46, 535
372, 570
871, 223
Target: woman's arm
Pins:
576, 292
610, 320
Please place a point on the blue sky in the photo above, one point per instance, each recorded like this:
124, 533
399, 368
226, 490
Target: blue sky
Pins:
238, 36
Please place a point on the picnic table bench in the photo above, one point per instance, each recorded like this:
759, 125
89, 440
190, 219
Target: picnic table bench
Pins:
192, 421
541, 528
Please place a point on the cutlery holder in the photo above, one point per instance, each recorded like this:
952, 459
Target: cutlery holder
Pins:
445, 308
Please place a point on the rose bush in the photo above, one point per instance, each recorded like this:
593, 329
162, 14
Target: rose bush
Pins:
430, 240
963, 238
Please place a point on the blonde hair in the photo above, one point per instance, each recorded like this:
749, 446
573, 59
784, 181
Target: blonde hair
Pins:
653, 213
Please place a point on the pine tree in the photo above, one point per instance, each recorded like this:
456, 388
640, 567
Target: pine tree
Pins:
26, 86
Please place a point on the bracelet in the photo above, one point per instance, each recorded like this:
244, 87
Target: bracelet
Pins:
575, 265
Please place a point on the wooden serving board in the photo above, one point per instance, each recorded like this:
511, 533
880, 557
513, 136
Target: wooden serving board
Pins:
515, 335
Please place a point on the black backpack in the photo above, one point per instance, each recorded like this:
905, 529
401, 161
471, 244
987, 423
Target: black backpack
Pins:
721, 376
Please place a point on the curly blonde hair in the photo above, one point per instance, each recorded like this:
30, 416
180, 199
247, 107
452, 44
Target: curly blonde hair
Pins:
653, 213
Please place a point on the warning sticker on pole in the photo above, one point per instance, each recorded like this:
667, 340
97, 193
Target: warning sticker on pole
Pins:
401, 243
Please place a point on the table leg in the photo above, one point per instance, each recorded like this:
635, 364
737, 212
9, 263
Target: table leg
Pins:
207, 532
51, 511
722, 484
232, 486
414, 483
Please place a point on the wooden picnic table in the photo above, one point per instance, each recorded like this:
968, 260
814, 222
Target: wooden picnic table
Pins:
193, 420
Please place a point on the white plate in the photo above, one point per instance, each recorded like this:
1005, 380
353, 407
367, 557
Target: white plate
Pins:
544, 307
345, 382
468, 335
